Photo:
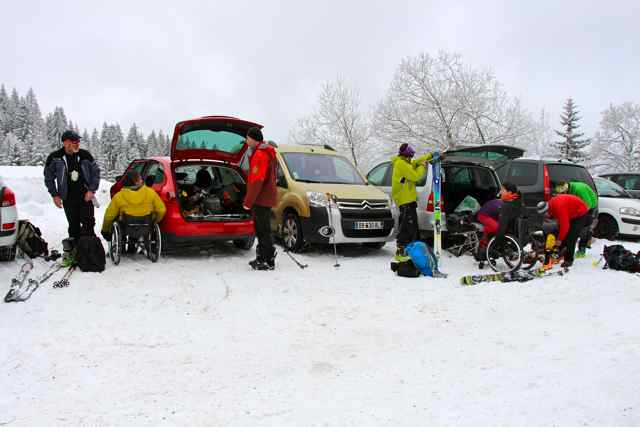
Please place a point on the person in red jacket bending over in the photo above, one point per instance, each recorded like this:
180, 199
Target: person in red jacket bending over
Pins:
261, 197
572, 216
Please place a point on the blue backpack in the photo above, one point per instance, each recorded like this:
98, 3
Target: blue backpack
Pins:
423, 257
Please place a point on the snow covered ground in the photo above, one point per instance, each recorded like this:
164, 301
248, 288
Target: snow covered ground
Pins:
199, 339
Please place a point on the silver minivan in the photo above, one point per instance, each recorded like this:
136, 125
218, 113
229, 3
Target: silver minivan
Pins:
469, 171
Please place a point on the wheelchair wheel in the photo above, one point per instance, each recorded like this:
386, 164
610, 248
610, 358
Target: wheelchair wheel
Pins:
116, 243
509, 258
154, 244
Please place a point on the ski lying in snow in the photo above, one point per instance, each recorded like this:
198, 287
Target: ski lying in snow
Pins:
34, 284
18, 282
64, 282
512, 276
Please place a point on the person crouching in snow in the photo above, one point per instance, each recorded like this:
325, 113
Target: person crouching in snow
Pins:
571, 213
497, 215
590, 198
406, 173
135, 199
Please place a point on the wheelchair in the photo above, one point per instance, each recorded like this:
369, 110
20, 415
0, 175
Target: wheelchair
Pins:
131, 235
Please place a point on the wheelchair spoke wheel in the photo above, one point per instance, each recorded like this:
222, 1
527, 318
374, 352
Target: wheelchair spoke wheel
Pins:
505, 259
154, 244
116, 243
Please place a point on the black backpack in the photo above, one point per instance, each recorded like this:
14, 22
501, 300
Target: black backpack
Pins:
405, 268
90, 254
619, 258
30, 240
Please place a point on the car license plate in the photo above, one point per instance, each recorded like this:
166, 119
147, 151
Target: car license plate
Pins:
367, 225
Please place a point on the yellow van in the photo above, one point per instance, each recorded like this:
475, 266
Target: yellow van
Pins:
322, 198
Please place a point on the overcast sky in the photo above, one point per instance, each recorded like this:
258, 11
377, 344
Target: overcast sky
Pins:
155, 63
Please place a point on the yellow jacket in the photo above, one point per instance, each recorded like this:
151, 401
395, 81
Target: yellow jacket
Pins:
405, 175
134, 202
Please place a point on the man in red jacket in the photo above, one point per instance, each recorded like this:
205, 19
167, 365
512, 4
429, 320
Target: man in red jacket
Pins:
572, 216
261, 197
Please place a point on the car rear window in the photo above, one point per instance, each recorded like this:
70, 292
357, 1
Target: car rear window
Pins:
209, 139
522, 173
566, 173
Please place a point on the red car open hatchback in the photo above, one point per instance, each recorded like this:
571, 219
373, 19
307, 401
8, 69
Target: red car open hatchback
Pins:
202, 183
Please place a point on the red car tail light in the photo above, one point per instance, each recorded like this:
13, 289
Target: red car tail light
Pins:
546, 183
9, 226
8, 197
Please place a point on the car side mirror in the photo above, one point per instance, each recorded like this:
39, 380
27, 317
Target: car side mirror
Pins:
149, 180
118, 178
281, 182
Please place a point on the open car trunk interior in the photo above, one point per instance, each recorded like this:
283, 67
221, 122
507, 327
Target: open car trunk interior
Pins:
210, 192
461, 180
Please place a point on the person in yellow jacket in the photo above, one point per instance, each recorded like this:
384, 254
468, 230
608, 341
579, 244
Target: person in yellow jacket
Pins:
135, 199
406, 173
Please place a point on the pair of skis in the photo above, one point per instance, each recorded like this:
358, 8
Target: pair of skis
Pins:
22, 286
511, 276
436, 188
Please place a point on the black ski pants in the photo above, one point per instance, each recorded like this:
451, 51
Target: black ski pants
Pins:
408, 224
575, 229
80, 216
265, 250
587, 232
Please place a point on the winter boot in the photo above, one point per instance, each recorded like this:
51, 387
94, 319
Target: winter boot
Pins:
68, 252
258, 264
480, 254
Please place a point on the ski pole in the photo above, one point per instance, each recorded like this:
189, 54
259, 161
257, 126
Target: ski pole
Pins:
331, 199
298, 263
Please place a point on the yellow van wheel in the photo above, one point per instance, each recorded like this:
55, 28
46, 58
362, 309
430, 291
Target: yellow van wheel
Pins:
292, 237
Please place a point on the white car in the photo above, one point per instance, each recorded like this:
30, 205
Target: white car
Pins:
618, 211
8, 223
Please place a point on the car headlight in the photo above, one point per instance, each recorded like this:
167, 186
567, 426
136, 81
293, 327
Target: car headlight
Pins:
630, 211
318, 200
391, 203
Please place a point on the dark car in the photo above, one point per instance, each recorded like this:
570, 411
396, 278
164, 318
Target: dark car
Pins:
628, 181
535, 178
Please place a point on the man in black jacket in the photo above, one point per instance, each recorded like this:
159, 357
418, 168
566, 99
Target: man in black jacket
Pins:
72, 177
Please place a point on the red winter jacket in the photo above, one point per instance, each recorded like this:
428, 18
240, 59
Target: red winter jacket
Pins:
564, 208
261, 181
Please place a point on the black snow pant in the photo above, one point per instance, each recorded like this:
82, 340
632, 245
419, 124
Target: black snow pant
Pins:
587, 232
265, 251
575, 229
408, 225
80, 216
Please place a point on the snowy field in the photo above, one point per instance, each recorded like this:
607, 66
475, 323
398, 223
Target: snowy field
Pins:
199, 339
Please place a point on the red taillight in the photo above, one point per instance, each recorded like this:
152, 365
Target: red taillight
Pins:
8, 197
9, 226
546, 183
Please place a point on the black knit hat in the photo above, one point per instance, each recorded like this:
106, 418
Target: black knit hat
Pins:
69, 134
510, 186
255, 134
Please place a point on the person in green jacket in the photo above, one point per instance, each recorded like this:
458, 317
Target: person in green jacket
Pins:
406, 173
590, 198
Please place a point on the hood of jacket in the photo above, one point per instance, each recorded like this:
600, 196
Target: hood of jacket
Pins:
134, 195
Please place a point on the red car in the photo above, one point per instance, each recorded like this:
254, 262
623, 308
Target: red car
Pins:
202, 183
